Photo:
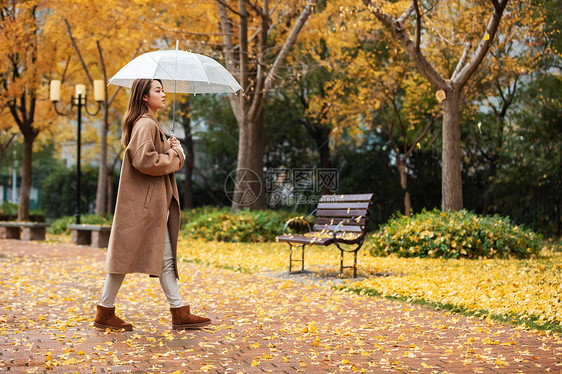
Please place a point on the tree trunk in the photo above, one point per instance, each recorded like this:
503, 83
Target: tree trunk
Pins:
249, 191
321, 136
451, 180
325, 164
101, 194
26, 174
109, 205
404, 185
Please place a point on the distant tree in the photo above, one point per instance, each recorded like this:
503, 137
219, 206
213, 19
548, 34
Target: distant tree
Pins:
256, 59
412, 25
24, 62
99, 39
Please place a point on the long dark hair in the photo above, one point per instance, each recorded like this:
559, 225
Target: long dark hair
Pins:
135, 108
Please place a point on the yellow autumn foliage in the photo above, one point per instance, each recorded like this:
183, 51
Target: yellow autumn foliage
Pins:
528, 289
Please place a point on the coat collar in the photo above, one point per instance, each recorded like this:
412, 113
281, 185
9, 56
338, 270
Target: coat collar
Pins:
149, 115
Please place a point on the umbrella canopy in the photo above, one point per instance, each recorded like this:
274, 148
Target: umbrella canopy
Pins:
179, 71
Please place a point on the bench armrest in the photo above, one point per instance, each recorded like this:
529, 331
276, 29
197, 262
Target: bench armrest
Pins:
301, 218
339, 225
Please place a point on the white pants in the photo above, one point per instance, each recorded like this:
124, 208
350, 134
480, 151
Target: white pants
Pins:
168, 281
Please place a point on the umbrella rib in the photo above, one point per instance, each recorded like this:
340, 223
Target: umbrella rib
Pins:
171, 76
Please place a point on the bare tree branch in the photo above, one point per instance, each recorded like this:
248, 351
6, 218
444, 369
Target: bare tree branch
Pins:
228, 45
65, 68
418, 24
398, 28
421, 135
491, 105
243, 52
483, 47
102, 63
291, 39
406, 13
257, 9
75, 45
119, 87
225, 5
462, 60
182, 31
262, 57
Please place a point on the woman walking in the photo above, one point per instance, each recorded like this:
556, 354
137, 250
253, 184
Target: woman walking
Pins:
146, 223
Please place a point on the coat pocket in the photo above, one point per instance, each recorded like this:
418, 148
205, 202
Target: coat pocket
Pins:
148, 196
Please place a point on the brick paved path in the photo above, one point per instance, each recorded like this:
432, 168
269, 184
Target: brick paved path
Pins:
48, 294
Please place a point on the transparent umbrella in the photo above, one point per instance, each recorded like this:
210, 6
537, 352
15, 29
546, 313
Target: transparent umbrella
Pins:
179, 71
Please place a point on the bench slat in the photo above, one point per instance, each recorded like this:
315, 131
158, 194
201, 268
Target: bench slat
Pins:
343, 198
308, 240
338, 205
343, 228
85, 227
23, 224
336, 220
301, 239
341, 212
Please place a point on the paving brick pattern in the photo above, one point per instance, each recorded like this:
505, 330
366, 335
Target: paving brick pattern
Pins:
48, 294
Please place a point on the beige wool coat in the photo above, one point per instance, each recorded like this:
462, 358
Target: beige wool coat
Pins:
147, 191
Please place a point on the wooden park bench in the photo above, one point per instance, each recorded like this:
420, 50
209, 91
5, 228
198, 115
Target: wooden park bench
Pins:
23, 230
340, 219
94, 235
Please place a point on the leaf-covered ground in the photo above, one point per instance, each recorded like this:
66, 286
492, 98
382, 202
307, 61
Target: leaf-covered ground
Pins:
520, 291
261, 323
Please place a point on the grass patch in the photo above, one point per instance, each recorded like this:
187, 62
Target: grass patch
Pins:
531, 321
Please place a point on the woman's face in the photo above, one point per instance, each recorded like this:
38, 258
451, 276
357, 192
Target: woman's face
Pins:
156, 98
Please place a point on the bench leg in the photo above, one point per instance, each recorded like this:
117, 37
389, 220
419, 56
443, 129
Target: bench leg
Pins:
34, 233
100, 239
354, 263
11, 232
291, 258
80, 237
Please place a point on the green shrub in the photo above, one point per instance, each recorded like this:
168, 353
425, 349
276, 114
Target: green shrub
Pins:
454, 234
8, 208
60, 225
243, 226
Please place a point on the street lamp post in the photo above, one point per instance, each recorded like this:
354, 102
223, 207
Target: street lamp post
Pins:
79, 100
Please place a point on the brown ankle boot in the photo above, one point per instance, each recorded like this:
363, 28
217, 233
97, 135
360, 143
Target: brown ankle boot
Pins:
106, 318
182, 319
